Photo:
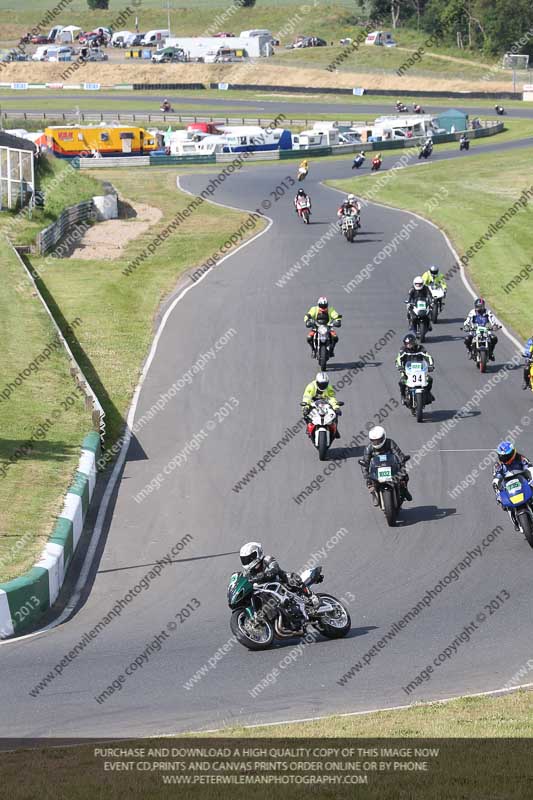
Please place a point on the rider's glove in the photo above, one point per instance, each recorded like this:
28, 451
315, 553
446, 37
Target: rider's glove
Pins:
338, 412
294, 579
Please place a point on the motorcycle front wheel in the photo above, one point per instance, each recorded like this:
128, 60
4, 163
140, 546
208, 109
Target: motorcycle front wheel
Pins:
255, 637
336, 623
322, 445
483, 361
389, 506
435, 312
419, 406
524, 520
323, 357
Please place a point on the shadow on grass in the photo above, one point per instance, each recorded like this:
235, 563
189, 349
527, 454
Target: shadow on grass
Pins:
40, 450
114, 420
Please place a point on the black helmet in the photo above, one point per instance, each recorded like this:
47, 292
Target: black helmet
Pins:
409, 342
434, 270
301, 193
323, 303
479, 305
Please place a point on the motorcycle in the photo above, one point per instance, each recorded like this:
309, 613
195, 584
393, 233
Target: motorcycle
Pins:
479, 349
376, 164
358, 161
499, 110
166, 108
439, 295
401, 107
464, 144
416, 382
263, 612
516, 496
384, 470
322, 425
322, 343
425, 151
417, 109
303, 207
419, 316
349, 225
302, 173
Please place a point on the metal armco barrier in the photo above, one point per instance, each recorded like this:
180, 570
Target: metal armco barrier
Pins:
50, 236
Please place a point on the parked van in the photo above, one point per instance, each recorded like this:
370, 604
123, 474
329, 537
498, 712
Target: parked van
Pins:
121, 38
155, 37
255, 32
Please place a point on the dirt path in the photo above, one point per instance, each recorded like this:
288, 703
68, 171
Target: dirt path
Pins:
456, 59
107, 240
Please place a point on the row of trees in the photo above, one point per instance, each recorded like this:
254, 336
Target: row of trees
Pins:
493, 26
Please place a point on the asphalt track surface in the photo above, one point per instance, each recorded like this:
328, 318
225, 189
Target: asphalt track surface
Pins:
388, 571
266, 108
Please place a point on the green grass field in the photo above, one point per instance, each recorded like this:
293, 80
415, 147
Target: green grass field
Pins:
32, 488
479, 193
285, 18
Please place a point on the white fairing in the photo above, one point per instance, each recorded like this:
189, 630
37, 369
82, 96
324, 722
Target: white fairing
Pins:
437, 291
416, 374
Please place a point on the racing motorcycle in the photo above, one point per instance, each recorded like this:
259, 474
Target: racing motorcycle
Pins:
516, 496
425, 151
358, 161
438, 294
349, 225
464, 144
479, 349
401, 107
321, 341
303, 207
263, 612
376, 164
384, 470
416, 385
302, 173
322, 425
419, 316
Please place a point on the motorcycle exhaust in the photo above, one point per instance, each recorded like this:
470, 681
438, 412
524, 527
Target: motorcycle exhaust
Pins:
284, 633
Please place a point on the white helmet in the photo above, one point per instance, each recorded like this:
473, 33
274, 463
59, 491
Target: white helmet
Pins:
377, 437
418, 282
322, 380
351, 198
251, 555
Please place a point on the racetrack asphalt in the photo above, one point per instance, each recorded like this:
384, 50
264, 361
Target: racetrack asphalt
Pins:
265, 367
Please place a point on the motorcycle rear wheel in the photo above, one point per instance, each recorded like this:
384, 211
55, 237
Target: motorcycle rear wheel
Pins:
238, 618
344, 622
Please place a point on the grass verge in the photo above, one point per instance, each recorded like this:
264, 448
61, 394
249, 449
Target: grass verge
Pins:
479, 193
37, 413
462, 767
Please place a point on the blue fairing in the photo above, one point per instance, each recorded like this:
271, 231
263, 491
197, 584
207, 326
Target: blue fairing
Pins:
525, 489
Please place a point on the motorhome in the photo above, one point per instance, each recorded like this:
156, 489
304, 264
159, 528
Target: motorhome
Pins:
380, 38
385, 129
70, 141
155, 37
232, 139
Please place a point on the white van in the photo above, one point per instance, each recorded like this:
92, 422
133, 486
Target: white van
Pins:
255, 32
120, 38
155, 37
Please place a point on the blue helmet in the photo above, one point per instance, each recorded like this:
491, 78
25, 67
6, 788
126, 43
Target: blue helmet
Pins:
506, 452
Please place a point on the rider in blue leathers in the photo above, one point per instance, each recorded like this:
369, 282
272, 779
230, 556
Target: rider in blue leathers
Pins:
509, 459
